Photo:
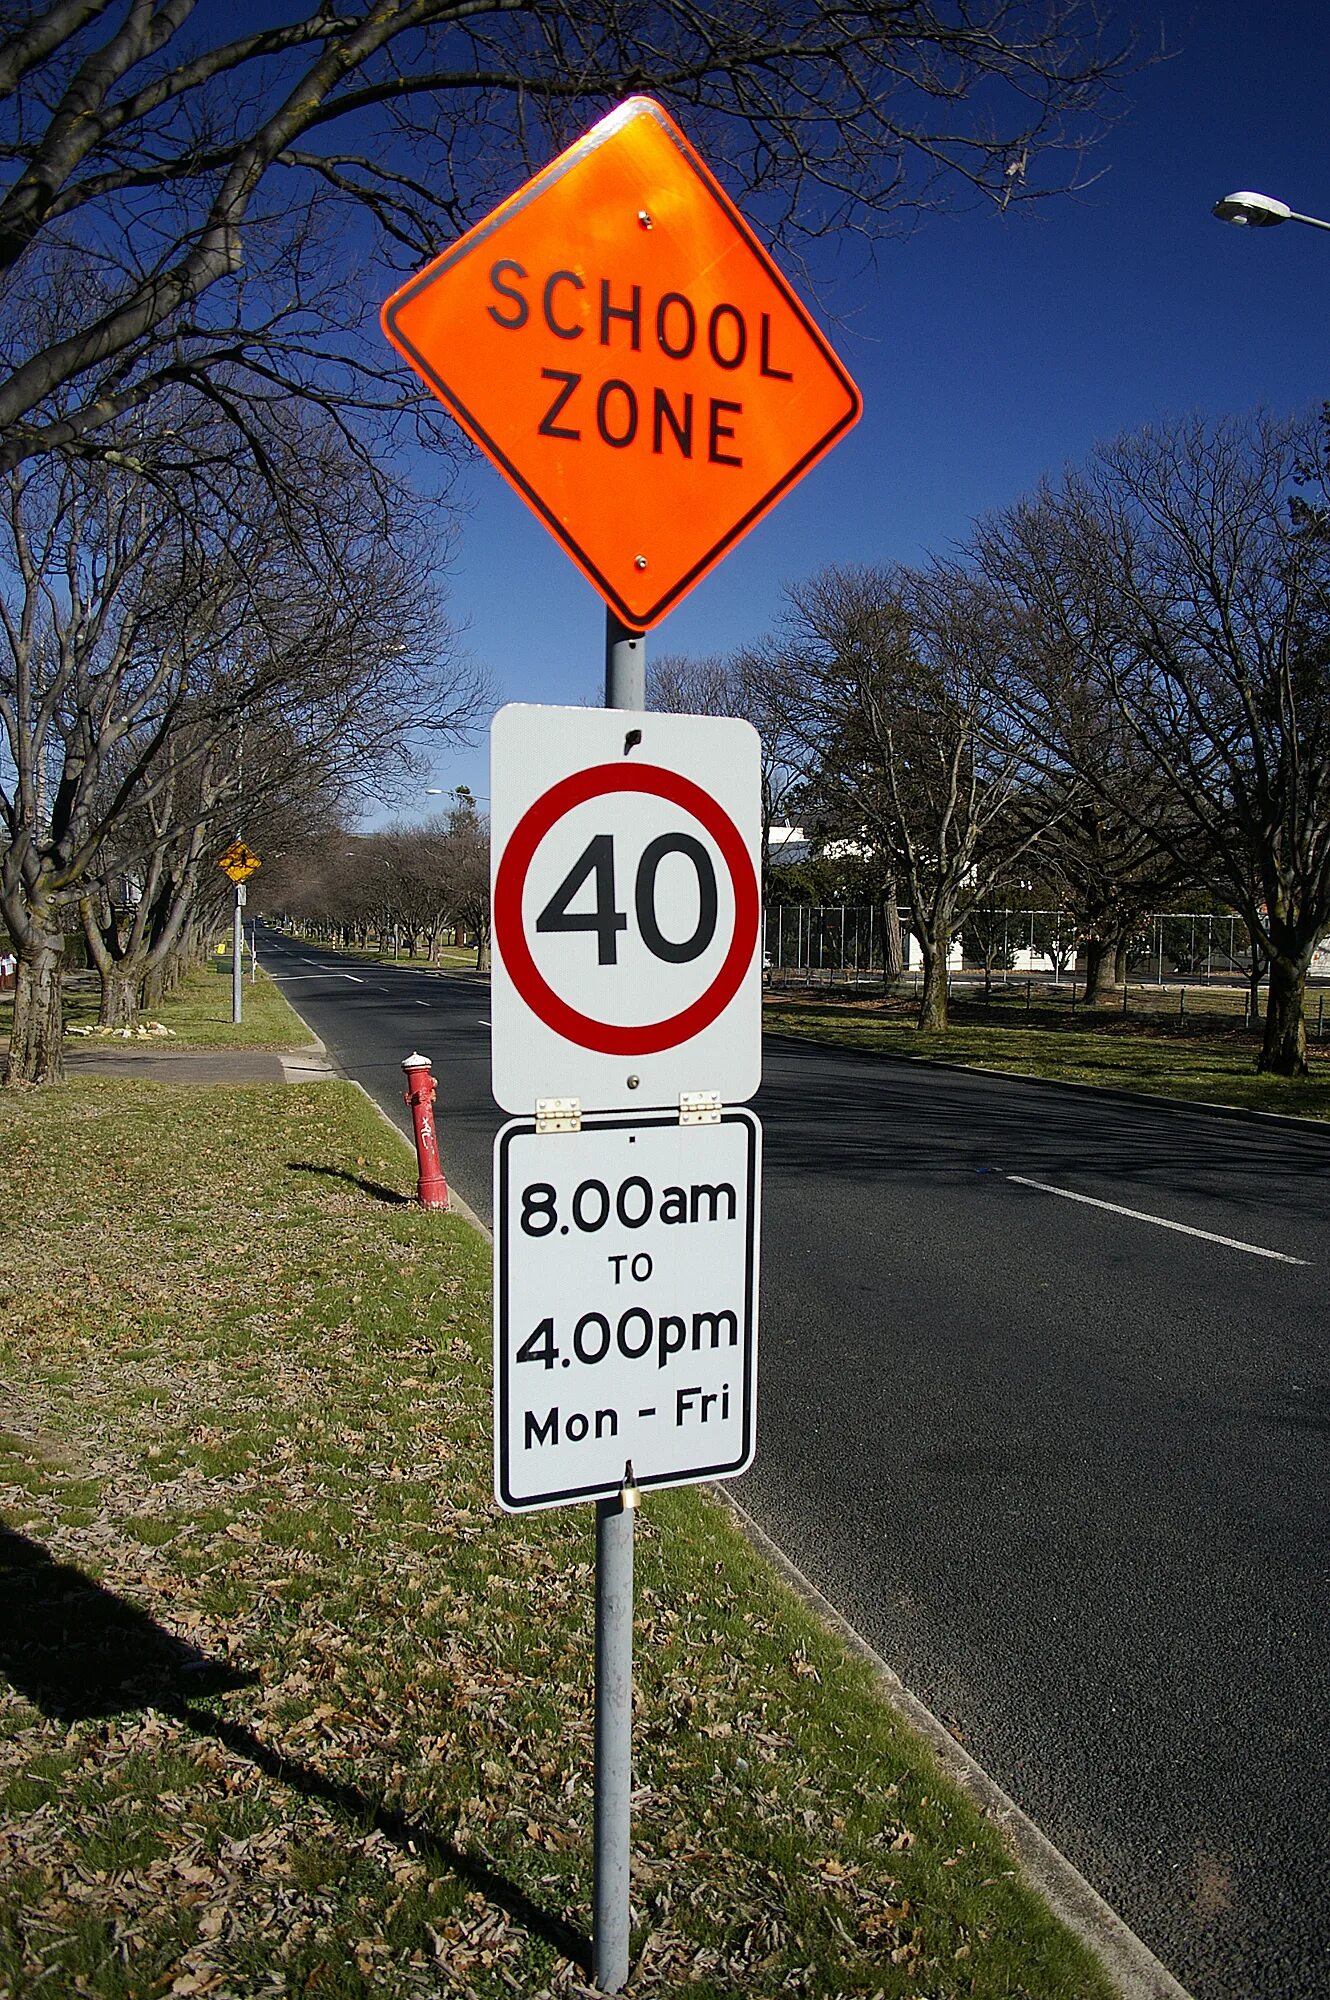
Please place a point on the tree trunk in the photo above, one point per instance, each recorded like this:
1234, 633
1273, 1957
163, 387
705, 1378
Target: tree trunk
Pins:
120, 998
36, 1045
1284, 1050
482, 951
1121, 954
933, 1002
1098, 961
893, 945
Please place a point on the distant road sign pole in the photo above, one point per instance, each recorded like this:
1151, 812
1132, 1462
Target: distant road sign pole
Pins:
238, 862
238, 956
625, 687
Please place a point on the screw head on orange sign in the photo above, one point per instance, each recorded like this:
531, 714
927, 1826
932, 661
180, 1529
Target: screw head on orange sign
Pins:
616, 339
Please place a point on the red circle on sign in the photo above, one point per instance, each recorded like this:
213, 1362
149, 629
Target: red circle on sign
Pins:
606, 1037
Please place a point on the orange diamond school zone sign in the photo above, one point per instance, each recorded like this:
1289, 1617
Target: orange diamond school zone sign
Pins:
619, 343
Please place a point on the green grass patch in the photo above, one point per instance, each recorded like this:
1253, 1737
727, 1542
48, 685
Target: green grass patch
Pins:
286, 1704
1212, 1061
198, 1014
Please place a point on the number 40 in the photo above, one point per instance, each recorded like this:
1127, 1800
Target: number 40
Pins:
596, 864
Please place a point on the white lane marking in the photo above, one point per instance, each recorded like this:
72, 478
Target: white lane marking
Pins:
422, 1003
350, 975
483, 1022
1160, 1221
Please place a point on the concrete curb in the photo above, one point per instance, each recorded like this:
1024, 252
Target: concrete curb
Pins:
1315, 1127
307, 1066
1129, 1962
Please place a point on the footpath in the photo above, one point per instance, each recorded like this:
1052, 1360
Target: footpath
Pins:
286, 1705
215, 1066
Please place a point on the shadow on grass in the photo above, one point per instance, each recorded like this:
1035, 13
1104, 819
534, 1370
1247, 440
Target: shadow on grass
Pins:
375, 1188
395, 1825
78, 1652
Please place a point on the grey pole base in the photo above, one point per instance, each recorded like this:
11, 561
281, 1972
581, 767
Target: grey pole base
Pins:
614, 1740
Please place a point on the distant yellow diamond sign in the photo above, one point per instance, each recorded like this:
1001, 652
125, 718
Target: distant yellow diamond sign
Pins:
239, 861
618, 341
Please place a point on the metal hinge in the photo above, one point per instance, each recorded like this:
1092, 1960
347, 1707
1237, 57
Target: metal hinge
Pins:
699, 1107
558, 1114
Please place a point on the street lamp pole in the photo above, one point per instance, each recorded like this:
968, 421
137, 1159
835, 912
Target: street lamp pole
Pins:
1246, 210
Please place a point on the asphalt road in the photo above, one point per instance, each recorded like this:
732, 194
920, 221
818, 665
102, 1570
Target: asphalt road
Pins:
1066, 1469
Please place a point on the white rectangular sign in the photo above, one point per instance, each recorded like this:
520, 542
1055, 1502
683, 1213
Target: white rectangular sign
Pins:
625, 1306
626, 907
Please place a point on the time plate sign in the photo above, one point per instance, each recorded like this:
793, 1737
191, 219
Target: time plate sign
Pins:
626, 908
625, 1306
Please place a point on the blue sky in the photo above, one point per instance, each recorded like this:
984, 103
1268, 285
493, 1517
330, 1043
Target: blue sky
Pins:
992, 349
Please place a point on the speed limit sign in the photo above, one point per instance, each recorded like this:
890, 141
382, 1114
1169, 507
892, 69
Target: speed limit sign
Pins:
626, 908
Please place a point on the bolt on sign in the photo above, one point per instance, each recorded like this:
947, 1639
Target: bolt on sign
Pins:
238, 861
617, 340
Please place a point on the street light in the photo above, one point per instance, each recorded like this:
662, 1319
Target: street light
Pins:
1246, 210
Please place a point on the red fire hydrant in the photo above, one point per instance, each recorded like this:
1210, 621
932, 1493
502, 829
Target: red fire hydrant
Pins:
420, 1094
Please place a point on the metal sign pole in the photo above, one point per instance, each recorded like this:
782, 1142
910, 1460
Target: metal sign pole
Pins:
611, 1834
625, 687
237, 957
625, 665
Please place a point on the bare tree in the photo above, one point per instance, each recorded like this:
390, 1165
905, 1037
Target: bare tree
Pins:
141, 641
419, 877
1178, 577
987, 934
134, 916
894, 680
1113, 846
1113, 849
155, 886
1110, 868
1054, 934
221, 191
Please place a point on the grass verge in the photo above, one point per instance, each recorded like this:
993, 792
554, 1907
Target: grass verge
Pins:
1205, 1063
198, 1014
287, 1706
